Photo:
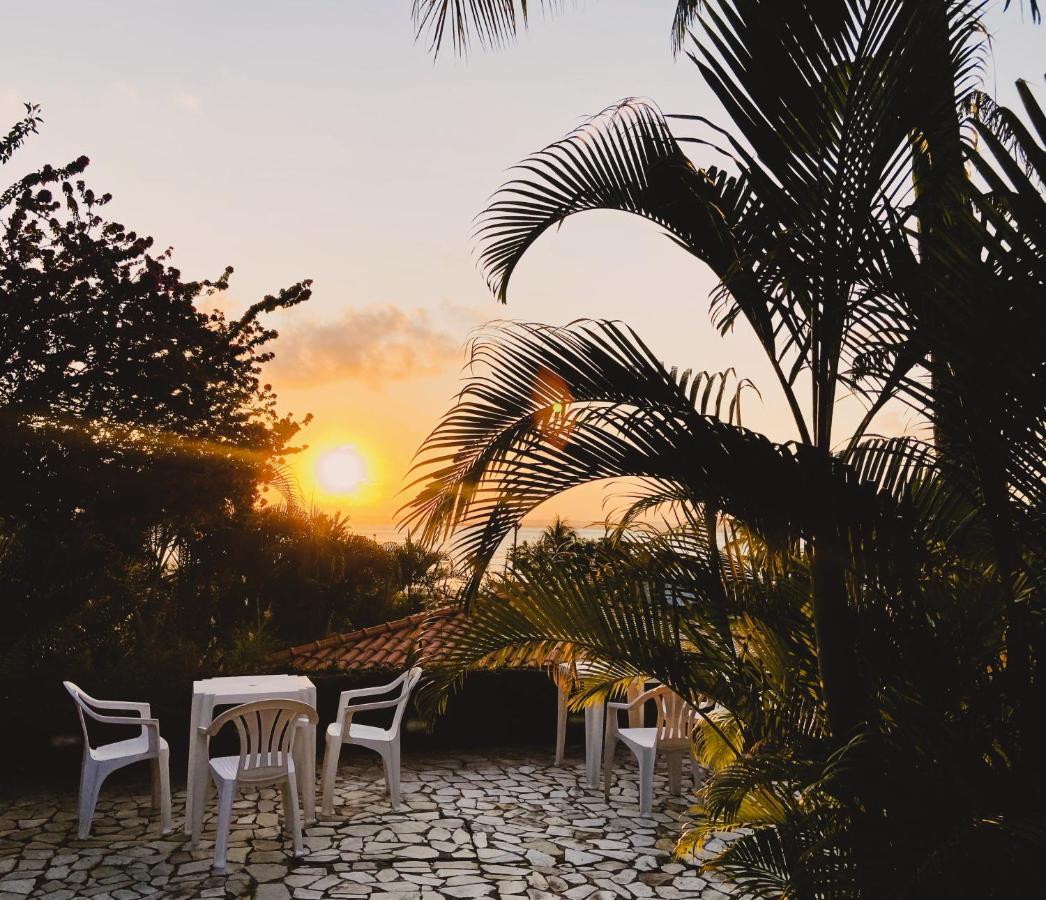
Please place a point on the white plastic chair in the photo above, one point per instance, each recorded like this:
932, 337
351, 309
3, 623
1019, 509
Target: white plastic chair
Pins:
385, 741
670, 737
100, 762
267, 730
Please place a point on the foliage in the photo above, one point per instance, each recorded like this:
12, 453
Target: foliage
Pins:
137, 541
495, 22
866, 613
558, 546
425, 577
125, 408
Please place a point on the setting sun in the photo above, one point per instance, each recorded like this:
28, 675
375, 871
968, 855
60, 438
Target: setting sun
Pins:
341, 470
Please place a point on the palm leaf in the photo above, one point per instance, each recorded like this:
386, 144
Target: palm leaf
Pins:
551, 408
625, 615
495, 22
623, 159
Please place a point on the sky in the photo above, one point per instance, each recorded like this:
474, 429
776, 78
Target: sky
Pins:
317, 139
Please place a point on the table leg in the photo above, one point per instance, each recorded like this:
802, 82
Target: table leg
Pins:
595, 714
198, 761
561, 724
308, 790
190, 775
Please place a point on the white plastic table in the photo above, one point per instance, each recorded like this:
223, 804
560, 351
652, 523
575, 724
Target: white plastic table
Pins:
595, 713
595, 719
212, 692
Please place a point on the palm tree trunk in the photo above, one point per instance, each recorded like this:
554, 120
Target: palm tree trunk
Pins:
845, 694
942, 206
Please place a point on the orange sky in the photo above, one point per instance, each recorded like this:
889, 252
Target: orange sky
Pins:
316, 139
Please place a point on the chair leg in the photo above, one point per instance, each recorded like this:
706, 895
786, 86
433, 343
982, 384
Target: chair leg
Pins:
391, 758
285, 804
91, 778
695, 771
561, 725
646, 781
154, 766
226, 794
163, 769
675, 774
330, 772
292, 815
609, 748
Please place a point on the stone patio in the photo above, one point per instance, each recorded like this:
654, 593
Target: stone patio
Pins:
497, 825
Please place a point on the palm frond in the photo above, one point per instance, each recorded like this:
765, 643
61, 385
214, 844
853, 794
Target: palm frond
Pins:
1033, 8
278, 475
551, 408
491, 22
626, 159
623, 159
892, 464
626, 615
988, 392
824, 102
756, 861
495, 22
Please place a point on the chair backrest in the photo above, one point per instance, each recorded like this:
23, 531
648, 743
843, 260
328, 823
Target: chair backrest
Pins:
266, 729
676, 719
413, 676
85, 703
80, 699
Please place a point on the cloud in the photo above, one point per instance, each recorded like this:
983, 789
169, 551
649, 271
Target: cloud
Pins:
374, 344
186, 101
125, 91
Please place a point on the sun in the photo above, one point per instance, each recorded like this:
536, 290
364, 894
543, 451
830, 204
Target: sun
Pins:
341, 470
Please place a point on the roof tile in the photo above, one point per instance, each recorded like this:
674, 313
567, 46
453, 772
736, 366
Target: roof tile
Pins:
377, 647
389, 646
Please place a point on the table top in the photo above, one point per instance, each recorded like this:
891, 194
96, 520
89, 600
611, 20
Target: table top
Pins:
251, 684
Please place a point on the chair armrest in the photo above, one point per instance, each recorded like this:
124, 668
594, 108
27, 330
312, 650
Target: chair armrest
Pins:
373, 691
383, 704
129, 720
347, 696
350, 711
141, 708
140, 719
618, 705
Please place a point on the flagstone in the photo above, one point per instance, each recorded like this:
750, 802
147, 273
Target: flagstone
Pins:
501, 826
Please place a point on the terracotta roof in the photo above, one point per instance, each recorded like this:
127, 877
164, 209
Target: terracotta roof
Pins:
389, 646
377, 648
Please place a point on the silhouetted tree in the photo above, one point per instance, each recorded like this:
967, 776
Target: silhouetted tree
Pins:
132, 419
887, 594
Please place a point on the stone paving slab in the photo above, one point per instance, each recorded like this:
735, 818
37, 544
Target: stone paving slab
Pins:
502, 825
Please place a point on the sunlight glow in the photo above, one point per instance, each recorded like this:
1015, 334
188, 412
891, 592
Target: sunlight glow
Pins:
341, 471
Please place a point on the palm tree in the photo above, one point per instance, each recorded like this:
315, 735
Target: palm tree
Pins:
824, 164
422, 575
862, 262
